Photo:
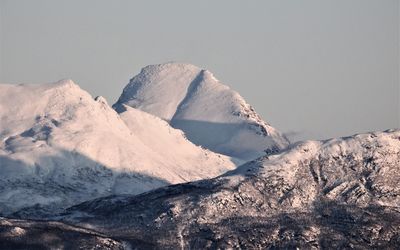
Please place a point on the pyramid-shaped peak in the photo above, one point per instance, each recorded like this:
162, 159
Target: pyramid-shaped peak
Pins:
210, 113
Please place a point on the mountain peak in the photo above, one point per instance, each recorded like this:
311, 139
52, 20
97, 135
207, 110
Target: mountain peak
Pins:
65, 82
210, 113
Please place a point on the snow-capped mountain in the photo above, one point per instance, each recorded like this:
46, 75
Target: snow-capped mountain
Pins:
338, 193
210, 113
59, 146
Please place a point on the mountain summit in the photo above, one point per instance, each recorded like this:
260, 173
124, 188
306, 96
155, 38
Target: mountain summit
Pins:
210, 113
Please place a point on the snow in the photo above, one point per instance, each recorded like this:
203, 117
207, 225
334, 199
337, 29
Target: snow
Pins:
17, 231
59, 146
355, 168
172, 145
210, 113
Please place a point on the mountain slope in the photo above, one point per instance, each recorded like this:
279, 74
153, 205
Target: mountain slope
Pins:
21, 234
339, 193
173, 146
210, 113
58, 146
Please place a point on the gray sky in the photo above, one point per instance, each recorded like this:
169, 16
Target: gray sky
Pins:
313, 69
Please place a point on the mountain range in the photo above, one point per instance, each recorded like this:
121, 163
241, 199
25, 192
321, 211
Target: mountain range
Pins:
182, 161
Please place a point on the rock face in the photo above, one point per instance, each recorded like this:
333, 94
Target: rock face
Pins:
59, 147
339, 193
210, 113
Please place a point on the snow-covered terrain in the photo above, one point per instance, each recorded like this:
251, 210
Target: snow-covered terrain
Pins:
340, 193
210, 113
59, 146
74, 172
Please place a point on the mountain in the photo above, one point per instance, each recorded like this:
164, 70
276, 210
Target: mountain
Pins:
59, 146
210, 113
76, 173
339, 193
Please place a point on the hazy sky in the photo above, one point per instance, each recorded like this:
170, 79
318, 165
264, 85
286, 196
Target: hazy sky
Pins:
313, 69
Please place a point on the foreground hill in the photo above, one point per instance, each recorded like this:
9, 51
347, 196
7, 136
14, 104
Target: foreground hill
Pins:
59, 146
210, 113
22, 234
339, 193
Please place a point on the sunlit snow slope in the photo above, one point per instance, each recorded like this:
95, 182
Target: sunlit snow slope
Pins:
210, 113
59, 146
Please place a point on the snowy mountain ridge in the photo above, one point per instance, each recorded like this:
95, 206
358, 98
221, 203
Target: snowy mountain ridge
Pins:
59, 146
